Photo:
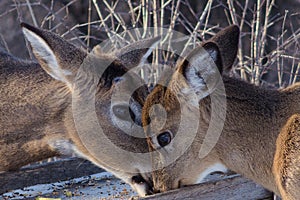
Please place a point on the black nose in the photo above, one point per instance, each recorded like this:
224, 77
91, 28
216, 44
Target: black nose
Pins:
138, 179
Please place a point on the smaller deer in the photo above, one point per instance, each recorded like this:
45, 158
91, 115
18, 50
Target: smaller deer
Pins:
260, 138
37, 105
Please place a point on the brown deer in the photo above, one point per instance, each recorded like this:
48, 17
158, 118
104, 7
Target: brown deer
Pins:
260, 137
37, 104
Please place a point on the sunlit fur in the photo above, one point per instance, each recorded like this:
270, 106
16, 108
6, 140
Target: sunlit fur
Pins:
257, 125
36, 102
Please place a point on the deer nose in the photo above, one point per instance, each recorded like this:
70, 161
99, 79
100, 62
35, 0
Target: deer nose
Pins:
138, 179
148, 185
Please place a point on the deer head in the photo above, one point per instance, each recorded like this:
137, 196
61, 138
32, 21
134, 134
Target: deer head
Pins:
177, 113
87, 103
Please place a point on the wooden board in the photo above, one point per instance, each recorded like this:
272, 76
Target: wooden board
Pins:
47, 173
232, 188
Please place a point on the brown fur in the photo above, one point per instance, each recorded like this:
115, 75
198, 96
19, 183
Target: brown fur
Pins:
287, 159
254, 118
36, 116
24, 112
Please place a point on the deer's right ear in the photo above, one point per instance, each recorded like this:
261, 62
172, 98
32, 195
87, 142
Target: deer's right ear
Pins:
59, 58
136, 53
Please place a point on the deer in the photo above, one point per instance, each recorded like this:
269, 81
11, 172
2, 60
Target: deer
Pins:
38, 99
260, 135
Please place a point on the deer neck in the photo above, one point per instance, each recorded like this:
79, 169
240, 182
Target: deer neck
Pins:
31, 103
254, 118
292, 96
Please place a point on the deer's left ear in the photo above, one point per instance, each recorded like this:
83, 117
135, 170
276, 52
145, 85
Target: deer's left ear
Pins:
201, 69
227, 41
213, 51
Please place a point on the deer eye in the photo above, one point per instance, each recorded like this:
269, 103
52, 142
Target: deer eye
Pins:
123, 112
117, 79
164, 138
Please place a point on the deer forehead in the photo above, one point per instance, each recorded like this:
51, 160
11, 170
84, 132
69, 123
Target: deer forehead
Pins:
161, 116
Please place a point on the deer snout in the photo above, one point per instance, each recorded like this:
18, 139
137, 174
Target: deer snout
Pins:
161, 185
142, 186
170, 186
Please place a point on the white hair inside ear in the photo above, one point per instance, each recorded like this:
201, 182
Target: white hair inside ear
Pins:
202, 73
43, 52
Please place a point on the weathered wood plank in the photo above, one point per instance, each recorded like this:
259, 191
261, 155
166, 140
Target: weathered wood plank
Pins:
234, 188
47, 173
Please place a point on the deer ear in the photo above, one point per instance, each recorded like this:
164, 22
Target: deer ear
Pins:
58, 58
228, 43
212, 50
134, 54
201, 69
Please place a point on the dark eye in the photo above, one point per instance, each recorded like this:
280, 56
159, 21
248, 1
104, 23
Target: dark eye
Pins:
164, 138
117, 79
